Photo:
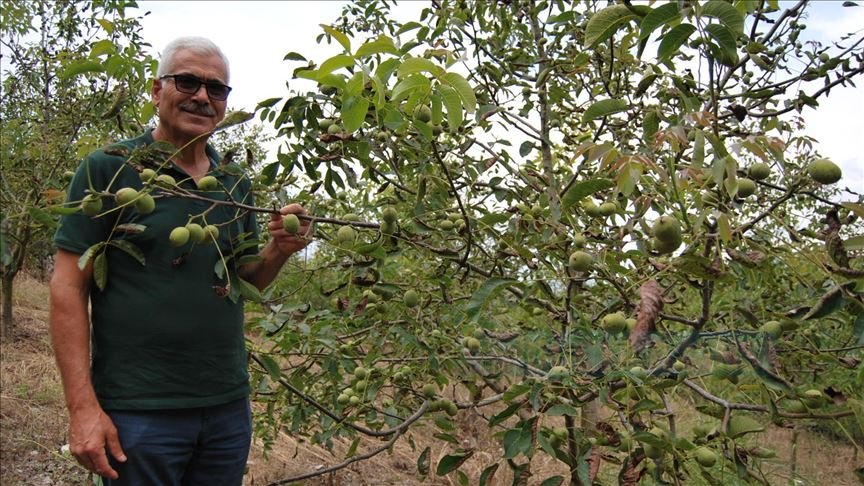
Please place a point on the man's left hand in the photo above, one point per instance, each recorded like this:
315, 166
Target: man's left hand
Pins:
290, 243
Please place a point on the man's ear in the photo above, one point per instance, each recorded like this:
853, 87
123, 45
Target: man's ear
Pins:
155, 91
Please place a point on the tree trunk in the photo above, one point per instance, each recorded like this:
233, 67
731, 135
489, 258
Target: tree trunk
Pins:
8, 325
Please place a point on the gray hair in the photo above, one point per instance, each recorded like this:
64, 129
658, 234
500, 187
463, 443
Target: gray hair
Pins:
199, 45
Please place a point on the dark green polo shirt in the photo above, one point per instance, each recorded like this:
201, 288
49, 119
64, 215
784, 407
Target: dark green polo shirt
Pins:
164, 334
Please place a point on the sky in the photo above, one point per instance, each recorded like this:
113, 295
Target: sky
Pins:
256, 35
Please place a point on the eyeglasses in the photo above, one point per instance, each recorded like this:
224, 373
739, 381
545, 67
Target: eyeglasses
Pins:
190, 85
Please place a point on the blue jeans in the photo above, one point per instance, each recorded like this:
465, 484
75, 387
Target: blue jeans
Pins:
188, 447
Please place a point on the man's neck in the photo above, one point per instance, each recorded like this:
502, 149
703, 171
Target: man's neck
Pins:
192, 157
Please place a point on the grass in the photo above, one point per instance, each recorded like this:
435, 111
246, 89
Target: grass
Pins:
33, 425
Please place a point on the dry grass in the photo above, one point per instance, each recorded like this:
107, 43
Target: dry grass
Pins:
33, 427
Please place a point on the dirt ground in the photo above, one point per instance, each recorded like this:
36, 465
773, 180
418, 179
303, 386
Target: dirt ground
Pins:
33, 428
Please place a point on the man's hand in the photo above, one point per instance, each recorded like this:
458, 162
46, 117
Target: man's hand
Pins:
290, 243
92, 436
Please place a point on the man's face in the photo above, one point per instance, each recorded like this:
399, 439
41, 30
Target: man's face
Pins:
182, 116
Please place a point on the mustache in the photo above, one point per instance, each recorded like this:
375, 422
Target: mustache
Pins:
197, 108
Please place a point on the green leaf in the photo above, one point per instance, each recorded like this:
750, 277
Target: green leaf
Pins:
488, 474
650, 126
603, 24
271, 366
858, 330
583, 189
659, 16
130, 249
100, 270
562, 409
553, 481
463, 88
673, 40
506, 413
247, 290
728, 54
492, 219
63, 210
380, 45
453, 103
515, 391
294, 56
724, 227
518, 440
354, 112
855, 208
830, 302
423, 462
413, 65
740, 425
85, 257
854, 243
80, 67
698, 157
414, 84
604, 108
483, 294
334, 63
451, 462
725, 13
525, 148
339, 36
42, 217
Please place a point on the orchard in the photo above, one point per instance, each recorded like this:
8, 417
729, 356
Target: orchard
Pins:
571, 221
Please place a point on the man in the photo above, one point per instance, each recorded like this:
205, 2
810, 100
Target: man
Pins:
165, 398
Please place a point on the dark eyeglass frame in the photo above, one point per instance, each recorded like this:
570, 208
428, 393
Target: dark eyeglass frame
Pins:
183, 83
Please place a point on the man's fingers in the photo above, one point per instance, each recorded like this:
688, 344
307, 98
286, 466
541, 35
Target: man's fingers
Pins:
114, 445
101, 466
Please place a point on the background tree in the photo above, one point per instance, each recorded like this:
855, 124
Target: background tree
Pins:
585, 205
73, 79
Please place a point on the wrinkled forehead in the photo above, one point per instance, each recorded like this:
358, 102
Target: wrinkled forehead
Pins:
205, 65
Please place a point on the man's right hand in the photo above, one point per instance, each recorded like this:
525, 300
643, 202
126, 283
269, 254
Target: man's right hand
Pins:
92, 436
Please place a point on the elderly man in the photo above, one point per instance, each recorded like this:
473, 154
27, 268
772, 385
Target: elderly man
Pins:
157, 389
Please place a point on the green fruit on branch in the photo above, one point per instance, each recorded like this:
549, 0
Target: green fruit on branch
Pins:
592, 209
196, 233
361, 372
91, 205
68, 175
423, 113
665, 247
212, 232
389, 215
579, 241
145, 204
580, 261
430, 390
560, 432
746, 188
345, 235
291, 224
793, 406
208, 183
354, 400
813, 398
351, 217
759, 171
147, 175
557, 373
701, 430
125, 196
325, 123
607, 208
631, 324
667, 229
639, 372
166, 180
772, 328
334, 129
446, 225
472, 343
382, 136
411, 298
179, 236
343, 399
449, 407
614, 323
824, 171
705, 456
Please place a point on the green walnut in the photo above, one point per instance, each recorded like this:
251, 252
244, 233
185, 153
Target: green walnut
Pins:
607, 208
430, 390
179, 236
361, 372
772, 328
196, 233
334, 129
746, 187
208, 183
592, 209
824, 171
345, 235
705, 456
147, 175
389, 215
667, 229
759, 171
166, 180
145, 204
579, 241
614, 323
411, 298
291, 223
91, 205
125, 196
472, 343
343, 399
212, 232
423, 113
580, 261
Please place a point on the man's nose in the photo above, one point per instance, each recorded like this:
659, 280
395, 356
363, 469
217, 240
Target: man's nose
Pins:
201, 93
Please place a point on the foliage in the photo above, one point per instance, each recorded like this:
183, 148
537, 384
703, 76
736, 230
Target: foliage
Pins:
73, 80
506, 136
